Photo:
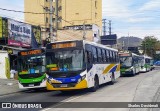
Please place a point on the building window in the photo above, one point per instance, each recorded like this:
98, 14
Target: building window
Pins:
46, 9
53, 19
95, 15
95, 4
46, 19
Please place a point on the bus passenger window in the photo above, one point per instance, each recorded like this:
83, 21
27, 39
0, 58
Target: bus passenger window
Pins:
104, 56
94, 50
89, 57
99, 55
107, 56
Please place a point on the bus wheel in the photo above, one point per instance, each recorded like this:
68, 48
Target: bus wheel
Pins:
134, 72
96, 84
113, 80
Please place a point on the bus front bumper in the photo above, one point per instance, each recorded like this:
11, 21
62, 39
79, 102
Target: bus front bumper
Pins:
57, 87
127, 73
32, 85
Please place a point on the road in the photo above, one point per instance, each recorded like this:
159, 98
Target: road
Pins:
143, 87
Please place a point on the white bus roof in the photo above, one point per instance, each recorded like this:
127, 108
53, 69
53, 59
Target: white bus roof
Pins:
91, 43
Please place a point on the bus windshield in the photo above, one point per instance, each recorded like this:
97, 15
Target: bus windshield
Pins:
59, 61
31, 65
126, 61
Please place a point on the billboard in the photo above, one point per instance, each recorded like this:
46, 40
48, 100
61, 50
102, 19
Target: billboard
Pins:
36, 32
19, 33
3, 27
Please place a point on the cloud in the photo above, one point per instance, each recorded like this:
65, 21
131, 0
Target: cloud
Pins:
140, 19
116, 8
151, 5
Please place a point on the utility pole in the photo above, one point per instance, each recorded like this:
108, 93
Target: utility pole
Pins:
110, 27
104, 26
51, 22
84, 31
56, 15
128, 42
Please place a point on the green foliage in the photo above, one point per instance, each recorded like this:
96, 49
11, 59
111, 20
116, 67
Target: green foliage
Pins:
150, 44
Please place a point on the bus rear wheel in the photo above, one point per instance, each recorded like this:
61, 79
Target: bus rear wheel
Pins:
96, 84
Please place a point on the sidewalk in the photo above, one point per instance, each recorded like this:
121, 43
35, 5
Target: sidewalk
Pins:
8, 86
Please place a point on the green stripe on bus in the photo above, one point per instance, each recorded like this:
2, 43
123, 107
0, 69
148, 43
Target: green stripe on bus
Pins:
33, 80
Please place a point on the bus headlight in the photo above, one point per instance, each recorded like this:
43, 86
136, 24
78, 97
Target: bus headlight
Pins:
49, 81
130, 69
47, 76
82, 78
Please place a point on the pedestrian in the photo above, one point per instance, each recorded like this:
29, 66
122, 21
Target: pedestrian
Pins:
13, 72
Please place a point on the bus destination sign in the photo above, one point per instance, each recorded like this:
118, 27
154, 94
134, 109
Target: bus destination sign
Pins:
31, 52
124, 54
64, 45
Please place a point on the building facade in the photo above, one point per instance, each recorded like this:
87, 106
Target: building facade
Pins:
75, 17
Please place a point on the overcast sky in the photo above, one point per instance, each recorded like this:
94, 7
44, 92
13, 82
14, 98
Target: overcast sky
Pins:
134, 17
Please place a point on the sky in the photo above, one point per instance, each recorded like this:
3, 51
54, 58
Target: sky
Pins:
138, 18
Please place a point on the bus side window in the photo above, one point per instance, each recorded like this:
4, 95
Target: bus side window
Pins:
94, 50
99, 55
110, 56
103, 56
107, 56
114, 56
89, 57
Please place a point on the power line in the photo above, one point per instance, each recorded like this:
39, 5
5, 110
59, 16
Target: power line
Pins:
20, 11
33, 13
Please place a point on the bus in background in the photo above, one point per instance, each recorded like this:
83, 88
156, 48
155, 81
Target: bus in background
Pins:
31, 69
80, 64
145, 62
129, 63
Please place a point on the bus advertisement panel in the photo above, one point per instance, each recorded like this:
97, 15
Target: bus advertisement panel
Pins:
19, 33
31, 69
80, 64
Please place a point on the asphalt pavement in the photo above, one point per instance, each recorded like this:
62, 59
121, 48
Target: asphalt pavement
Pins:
144, 87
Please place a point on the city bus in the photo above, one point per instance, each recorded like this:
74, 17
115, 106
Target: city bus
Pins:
31, 69
130, 63
145, 62
80, 64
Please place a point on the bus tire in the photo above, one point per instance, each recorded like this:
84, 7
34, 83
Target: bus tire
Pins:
96, 84
134, 72
113, 80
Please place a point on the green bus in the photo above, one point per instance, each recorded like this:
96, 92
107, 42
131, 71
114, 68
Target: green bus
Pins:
130, 64
146, 63
31, 69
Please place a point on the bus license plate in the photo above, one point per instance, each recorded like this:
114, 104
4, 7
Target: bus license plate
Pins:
64, 85
31, 85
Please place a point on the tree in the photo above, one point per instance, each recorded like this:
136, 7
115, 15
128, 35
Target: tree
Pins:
149, 45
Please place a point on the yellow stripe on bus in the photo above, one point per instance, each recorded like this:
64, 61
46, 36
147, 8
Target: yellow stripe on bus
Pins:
108, 68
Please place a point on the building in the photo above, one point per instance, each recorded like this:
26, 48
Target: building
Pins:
73, 16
